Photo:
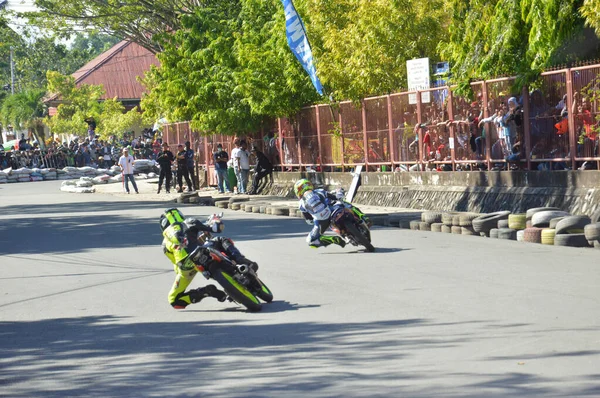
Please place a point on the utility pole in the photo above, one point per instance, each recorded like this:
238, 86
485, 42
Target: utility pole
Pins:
12, 71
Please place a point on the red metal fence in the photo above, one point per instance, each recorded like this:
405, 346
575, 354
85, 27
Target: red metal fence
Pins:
555, 128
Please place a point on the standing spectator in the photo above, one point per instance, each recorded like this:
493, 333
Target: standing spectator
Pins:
164, 159
220, 159
189, 156
242, 162
126, 165
235, 160
106, 153
182, 170
262, 169
115, 151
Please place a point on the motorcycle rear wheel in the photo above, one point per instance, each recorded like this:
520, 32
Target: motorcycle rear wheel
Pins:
235, 290
351, 229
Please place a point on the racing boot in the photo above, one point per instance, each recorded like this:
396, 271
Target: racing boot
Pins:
197, 295
326, 240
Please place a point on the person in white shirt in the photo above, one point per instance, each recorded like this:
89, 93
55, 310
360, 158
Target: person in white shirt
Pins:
126, 165
241, 164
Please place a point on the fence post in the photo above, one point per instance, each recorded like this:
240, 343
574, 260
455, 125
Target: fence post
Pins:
340, 121
392, 144
452, 127
280, 139
318, 117
420, 131
526, 127
571, 118
365, 140
299, 144
488, 132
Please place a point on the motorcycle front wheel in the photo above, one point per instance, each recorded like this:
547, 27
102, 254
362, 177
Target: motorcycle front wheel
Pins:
235, 290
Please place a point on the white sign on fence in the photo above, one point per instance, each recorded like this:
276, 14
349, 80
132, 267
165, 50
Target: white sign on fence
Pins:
418, 79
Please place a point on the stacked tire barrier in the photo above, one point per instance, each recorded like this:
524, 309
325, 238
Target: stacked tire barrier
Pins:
542, 225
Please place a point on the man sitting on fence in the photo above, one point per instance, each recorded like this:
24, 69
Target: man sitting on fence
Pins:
262, 169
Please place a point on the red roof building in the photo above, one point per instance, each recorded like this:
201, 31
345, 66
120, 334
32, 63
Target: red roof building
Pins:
117, 70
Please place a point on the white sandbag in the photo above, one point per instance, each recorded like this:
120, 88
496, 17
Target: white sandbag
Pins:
70, 169
90, 179
84, 184
40, 178
152, 175
23, 179
23, 170
3, 174
117, 178
68, 183
101, 179
72, 189
86, 169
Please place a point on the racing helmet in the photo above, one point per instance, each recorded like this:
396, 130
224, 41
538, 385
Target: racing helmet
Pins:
170, 217
302, 186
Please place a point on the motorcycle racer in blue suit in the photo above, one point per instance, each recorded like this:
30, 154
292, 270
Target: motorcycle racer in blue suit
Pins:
317, 206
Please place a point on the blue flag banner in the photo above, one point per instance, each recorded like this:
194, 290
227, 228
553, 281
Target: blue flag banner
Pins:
298, 41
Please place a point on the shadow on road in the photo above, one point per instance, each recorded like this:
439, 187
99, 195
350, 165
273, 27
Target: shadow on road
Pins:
107, 356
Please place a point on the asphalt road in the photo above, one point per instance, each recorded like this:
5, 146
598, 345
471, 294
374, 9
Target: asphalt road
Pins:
84, 311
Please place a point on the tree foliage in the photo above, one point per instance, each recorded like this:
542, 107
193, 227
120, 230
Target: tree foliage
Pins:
362, 46
506, 37
140, 21
591, 11
81, 103
25, 110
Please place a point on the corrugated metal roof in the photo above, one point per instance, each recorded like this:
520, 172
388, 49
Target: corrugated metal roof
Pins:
117, 70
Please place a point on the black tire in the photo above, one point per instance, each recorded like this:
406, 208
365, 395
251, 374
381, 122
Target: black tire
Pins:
531, 212
436, 227
507, 234
424, 226
431, 217
362, 240
574, 224
542, 219
415, 225
264, 293
234, 290
554, 221
596, 216
572, 240
592, 231
447, 218
488, 222
466, 219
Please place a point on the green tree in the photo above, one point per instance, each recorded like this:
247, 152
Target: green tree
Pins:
361, 46
196, 79
507, 37
84, 102
140, 21
591, 11
25, 110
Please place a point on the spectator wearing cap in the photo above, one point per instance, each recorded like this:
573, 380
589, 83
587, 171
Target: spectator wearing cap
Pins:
262, 169
165, 159
126, 165
182, 170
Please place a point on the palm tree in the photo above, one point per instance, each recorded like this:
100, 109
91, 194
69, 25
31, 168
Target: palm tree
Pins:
25, 110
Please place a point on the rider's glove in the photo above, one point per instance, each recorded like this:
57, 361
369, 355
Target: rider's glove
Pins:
340, 194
